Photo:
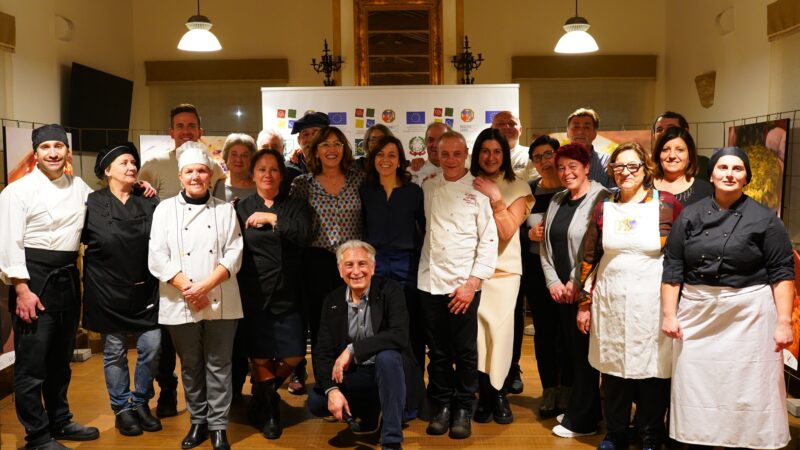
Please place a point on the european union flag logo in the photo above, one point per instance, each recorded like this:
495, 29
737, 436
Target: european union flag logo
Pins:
490, 116
415, 117
370, 122
337, 118
449, 122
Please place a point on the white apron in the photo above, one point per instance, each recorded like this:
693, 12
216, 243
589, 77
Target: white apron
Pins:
496, 326
727, 388
625, 333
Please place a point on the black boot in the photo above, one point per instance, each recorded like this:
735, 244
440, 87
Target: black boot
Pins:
197, 434
485, 409
272, 406
255, 409
219, 440
502, 410
146, 419
127, 423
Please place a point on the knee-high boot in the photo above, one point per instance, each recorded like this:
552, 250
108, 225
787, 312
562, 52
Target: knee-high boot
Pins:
272, 408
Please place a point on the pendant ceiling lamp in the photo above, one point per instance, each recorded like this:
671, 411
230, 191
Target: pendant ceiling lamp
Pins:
576, 40
199, 38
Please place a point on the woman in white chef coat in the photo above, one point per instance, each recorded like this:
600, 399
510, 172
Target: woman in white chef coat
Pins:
195, 252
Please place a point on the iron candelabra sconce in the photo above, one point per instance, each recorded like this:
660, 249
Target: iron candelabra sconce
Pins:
467, 63
327, 65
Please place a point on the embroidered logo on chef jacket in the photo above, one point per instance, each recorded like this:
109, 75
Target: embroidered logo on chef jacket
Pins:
470, 199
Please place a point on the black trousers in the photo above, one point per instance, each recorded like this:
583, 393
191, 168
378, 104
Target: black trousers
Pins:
166, 378
452, 338
551, 343
583, 412
41, 371
651, 396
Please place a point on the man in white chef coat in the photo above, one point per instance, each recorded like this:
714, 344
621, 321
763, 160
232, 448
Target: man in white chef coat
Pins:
460, 250
41, 219
511, 128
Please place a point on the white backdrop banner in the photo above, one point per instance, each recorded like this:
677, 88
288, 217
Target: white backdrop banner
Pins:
406, 110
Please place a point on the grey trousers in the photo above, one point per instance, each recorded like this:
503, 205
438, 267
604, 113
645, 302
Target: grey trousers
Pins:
205, 350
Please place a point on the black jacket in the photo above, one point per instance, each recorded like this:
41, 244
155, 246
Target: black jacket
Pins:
387, 307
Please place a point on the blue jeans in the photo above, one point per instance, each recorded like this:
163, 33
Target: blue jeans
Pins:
115, 368
370, 390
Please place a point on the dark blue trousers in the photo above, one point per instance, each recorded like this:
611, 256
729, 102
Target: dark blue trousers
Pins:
370, 390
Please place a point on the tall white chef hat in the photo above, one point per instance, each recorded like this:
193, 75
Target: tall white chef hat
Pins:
194, 153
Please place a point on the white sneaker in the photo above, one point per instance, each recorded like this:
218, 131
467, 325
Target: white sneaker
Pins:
560, 417
561, 431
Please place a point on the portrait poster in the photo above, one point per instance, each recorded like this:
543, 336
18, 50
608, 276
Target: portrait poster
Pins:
607, 141
19, 154
151, 145
765, 145
790, 355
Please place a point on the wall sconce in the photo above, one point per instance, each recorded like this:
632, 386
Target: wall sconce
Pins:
467, 63
327, 65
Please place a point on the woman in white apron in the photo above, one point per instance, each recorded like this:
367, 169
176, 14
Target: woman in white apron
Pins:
621, 274
511, 200
733, 258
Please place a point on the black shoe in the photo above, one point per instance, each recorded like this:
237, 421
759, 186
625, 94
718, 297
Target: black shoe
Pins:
440, 422
613, 442
146, 419
297, 382
397, 446
461, 427
219, 440
197, 434
484, 412
502, 411
75, 432
127, 423
272, 406
651, 443
514, 380
52, 444
167, 405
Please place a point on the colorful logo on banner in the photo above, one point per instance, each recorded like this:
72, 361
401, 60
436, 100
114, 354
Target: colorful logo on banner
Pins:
337, 118
286, 113
416, 146
490, 116
388, 116
415, 117
467, 115
365, 117
443, 115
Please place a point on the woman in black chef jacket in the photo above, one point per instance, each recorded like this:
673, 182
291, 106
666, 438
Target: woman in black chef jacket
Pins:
275, 228
730, 261
120, 295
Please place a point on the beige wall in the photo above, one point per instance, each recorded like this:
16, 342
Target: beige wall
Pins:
101, 38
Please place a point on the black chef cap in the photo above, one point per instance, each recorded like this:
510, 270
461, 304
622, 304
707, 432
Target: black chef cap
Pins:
109, 153
52, 132
732, 151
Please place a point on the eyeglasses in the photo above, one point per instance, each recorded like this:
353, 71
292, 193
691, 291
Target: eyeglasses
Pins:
632, 167
373, 138
546, 155
327, 145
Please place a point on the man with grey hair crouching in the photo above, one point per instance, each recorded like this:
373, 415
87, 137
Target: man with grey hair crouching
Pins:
363, 350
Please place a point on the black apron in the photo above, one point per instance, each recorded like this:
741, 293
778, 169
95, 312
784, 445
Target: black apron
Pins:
119, 294
54, 279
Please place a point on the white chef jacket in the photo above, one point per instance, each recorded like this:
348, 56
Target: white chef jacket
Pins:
522, 164
194, 239
36, 212
424, 172
461, 236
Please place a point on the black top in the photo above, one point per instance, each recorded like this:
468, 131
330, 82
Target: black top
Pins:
120, 294
394, 224
743, 246
699, 190
559, 237
270, 276
542, 197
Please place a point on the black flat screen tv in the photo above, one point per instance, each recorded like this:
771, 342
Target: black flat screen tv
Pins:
99, 108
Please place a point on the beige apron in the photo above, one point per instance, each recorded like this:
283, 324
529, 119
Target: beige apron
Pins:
625, 333
727, 388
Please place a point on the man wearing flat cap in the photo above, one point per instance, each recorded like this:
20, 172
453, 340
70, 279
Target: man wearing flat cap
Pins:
41, 219
305, 128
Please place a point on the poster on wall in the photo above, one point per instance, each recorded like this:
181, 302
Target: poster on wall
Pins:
405, 110
19, 154
765, 145
151, 145
607, 141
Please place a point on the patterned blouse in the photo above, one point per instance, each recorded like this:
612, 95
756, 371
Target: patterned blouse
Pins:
337, 218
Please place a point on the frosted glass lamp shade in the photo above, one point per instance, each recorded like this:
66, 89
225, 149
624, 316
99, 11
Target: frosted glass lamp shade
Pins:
199, 38
576, 40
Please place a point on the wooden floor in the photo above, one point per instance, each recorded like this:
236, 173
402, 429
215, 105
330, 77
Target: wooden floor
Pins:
89, 403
